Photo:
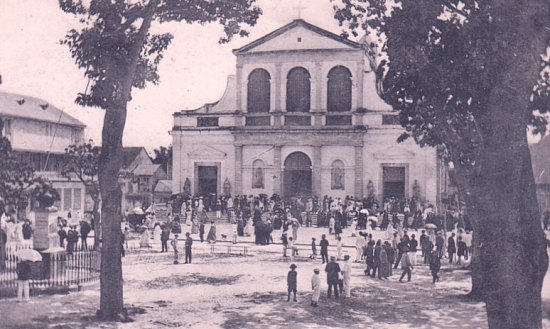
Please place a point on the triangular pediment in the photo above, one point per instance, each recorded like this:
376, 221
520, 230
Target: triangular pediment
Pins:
394, 152
206, 152
298, 35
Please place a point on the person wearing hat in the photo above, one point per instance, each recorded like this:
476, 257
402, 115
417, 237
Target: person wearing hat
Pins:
324, 248
406, 264
316, 287
291, 281
174, 244
333, 271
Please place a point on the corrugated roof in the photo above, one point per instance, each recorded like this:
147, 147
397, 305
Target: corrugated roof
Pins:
164, 186
146, 169
21, 106
540, 160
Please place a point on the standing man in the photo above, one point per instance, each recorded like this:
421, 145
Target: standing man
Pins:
164, 237
201, 231
333, 270
413, 245
406, 265
346, 272
316, 287
292, 281
188, 244
324, 248
451, 247
439, 242
85, 229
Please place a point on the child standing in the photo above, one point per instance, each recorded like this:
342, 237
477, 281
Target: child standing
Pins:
292, 281
174, 244
313, 249
284, 239
23, 270
316, 287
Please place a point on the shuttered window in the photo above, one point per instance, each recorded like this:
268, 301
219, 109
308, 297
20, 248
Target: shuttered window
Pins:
298, 90
259, 91
339, 90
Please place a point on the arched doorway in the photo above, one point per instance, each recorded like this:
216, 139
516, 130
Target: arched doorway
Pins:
297, 175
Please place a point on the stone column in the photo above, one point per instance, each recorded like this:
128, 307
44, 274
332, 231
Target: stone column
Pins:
277, 118
319, 106
316, 171
358, 172
358, 86
277, 170
238, 169
239, 82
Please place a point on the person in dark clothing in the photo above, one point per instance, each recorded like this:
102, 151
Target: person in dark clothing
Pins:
201, 231
400, 246
188, 245
164, 237
292, 282
85, 229
390, 252
406, 265
23, 270
451, 247
462, 251
435, 265
369, 254
62, 236
423, 238
27, 230
427, 247
413, 246
72, 238
324, 248
122, 243
333, 270
546, 220
377, 250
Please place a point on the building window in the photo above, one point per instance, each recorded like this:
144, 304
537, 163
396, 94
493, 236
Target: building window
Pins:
207, 122
259, 91
77, 205
337, 174
339, 89
67, 198
298, 90
258, 174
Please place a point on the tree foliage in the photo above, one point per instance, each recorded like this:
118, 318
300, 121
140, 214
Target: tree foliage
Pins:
163, 156
82, 160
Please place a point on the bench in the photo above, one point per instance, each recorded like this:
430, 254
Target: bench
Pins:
229, 250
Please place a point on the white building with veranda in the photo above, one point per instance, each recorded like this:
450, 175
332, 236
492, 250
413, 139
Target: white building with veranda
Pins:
301, 116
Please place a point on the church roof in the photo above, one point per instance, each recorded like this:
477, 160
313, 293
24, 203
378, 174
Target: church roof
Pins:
146, 169
27, 107
226, 104
294, 24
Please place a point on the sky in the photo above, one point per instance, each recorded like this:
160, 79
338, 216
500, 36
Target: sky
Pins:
193, 72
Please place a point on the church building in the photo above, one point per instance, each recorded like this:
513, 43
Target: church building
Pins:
301, 116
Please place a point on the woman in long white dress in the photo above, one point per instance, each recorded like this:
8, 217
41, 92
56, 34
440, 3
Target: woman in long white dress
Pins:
144, 240
156, 233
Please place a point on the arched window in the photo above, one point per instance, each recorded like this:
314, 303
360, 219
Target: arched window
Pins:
298, 90
259, 91
337, 175
258, 174
339, 89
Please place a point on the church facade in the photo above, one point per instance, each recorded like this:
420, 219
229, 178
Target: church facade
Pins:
301, 116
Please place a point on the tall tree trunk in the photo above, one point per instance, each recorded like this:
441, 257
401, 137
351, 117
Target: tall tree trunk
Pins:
110, 162
513, 247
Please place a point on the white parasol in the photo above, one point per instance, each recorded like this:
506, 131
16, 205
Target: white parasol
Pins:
29, 254
364, 211
138, 211
373, 218
430, 225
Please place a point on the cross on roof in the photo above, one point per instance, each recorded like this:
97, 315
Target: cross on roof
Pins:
299, 8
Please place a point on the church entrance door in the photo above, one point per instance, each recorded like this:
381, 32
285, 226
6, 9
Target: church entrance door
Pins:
394, 182
297, 175
207, 179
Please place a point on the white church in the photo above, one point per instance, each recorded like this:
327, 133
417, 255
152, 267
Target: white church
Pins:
301, 116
